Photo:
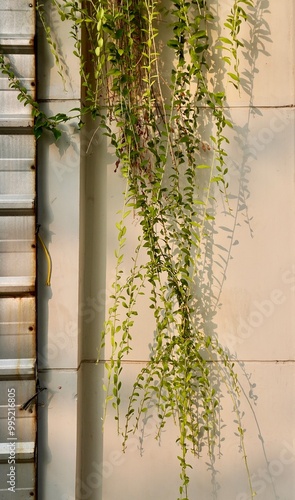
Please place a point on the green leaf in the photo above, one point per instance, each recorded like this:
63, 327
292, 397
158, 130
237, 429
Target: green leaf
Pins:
226, 40
234, 76
56, 133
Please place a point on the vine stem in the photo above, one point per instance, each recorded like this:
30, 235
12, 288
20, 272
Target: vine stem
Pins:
233, 396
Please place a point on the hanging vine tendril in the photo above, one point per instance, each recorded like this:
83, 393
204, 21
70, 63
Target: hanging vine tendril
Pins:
154, 114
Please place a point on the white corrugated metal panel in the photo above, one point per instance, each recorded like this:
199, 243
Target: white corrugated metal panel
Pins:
17, 22
17, 327
17, 168
24, 389
17, 29
17, 258
25, 486
17, 247
25, 67
13, 112
23, 451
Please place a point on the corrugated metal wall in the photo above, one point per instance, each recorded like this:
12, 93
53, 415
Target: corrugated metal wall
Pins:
17, 258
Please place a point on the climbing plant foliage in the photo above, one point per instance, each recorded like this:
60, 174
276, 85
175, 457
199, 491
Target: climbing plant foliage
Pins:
154, 99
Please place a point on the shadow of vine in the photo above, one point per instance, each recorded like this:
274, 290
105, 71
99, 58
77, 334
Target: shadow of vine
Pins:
208, 289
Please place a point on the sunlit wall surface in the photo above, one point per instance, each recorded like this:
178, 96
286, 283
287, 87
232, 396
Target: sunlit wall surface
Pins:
251, 299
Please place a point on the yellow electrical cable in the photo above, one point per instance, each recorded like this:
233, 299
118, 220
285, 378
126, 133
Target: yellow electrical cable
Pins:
49, 262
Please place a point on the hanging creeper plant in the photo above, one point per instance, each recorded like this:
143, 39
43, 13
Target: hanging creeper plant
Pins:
160, 151
154, 115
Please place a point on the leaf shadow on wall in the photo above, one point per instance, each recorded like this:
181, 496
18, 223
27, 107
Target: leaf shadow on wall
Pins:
215, 254
219, 252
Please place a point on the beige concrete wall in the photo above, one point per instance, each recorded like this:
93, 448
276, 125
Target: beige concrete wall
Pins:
254, 260
58, 305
